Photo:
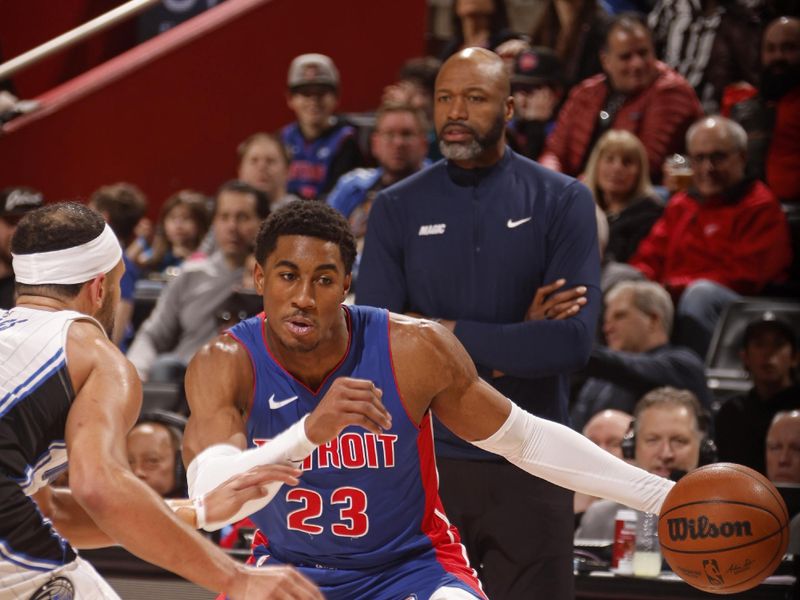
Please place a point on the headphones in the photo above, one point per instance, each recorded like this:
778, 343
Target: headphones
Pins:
175, 423
708, 449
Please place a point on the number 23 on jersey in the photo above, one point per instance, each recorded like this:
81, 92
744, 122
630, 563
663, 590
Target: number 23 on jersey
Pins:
353, 518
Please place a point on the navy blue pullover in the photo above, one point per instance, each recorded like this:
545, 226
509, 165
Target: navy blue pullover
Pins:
473, 246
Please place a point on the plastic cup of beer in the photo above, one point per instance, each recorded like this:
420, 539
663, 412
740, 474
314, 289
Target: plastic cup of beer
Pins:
678, 173
647, 554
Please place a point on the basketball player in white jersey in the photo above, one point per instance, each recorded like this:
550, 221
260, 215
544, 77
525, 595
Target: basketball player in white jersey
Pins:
66, 391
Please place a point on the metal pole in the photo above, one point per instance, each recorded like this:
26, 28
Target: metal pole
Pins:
72, 37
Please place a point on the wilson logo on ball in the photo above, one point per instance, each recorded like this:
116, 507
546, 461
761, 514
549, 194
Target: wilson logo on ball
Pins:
702, 527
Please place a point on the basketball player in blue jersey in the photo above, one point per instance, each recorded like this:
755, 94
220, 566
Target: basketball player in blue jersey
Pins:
66, 390
346, 393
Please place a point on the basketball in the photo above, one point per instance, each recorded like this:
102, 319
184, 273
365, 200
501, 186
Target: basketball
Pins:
723, 528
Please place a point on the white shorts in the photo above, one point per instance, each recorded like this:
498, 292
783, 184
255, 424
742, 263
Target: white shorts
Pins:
77, 580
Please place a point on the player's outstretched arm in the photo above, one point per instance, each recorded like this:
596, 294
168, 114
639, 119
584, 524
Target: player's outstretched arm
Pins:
429, 361
108, 397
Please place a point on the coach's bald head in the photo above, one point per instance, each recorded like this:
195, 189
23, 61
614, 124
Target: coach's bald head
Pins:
485, 62
473, 103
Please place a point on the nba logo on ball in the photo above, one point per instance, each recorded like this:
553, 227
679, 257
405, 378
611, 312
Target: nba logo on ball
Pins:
723, 528
712, 572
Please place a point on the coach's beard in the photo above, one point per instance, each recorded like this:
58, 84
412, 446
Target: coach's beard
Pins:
476, 146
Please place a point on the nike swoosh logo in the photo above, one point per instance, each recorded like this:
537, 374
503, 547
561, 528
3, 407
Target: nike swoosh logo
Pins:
511, 224
280, 403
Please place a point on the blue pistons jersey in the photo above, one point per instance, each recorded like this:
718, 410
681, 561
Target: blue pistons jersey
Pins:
312, 159
365, 501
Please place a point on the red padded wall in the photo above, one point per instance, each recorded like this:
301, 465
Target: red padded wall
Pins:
169, 113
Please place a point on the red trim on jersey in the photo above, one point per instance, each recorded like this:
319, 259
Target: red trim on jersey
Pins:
230, 539
444, 537
403, 402
259, 539
332, 371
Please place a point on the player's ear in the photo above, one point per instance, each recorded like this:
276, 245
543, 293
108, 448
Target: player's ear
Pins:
97, 290
258, 278
348, 280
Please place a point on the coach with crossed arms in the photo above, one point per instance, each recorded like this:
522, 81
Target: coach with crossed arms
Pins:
482, 242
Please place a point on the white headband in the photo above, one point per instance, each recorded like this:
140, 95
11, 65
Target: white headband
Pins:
70, 265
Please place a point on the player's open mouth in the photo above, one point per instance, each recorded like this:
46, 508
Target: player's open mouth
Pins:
299, 326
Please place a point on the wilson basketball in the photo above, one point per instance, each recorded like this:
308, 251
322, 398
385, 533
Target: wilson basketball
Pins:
723, 528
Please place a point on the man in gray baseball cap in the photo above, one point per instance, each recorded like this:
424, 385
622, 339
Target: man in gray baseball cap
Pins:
322, 145
14, 203
313, 69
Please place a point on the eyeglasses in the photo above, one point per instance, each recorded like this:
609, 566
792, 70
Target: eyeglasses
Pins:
715, 158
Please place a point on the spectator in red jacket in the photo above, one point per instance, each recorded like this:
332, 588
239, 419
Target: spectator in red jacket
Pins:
724, 237
636, 93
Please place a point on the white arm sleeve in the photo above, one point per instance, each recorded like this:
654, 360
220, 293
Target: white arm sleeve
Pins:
216, 464
564, 457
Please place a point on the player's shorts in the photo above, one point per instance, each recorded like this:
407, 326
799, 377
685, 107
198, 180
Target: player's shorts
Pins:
76, 580
420, 578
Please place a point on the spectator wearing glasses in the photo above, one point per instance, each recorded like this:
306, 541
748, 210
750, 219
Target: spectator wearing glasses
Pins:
725, 237
399, 144
636, 92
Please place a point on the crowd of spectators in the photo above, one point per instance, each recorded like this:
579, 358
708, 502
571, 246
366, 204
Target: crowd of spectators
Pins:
611, 99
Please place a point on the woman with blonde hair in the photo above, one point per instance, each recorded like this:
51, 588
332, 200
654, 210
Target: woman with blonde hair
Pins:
618, 176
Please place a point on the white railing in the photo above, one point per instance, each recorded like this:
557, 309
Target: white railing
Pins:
72, 37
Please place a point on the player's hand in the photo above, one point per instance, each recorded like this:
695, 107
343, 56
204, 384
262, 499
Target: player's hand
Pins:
272, 583
349, 401
224, 501
547, 304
